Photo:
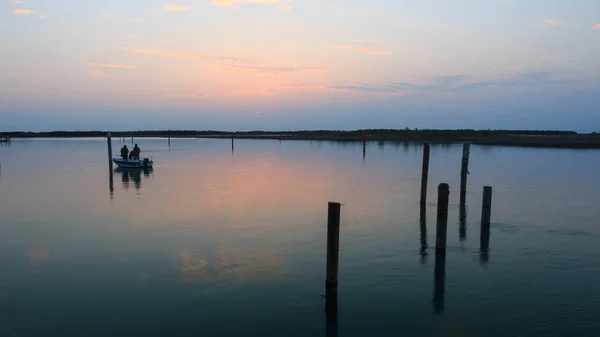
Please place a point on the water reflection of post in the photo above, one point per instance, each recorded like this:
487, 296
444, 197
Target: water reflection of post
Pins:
439, 275
462, 222
331, 316
423, 230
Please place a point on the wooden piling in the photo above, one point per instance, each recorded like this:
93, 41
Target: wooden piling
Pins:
486, 211
169, 140
425, 173
464, 171
131, 139
462, 222
486, 208
333, 245
423, 233
442, 216
232, 144
109, 144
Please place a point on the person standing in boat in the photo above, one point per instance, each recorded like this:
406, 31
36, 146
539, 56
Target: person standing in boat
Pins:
124, 152
135, 153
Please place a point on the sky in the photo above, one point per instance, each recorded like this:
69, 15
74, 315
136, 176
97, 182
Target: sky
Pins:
299, 64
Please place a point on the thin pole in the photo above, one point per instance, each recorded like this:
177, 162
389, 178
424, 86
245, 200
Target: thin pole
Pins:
486, 211
425, 173
464, 171
442, 216
333, 246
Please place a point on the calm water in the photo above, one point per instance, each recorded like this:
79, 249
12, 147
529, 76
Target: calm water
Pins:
215, 243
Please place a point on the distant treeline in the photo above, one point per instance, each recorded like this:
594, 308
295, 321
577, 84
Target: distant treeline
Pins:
375, 133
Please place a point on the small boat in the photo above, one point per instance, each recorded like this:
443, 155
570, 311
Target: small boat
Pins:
134, 163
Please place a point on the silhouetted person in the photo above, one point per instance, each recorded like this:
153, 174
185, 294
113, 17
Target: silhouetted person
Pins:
135, 153
124, 152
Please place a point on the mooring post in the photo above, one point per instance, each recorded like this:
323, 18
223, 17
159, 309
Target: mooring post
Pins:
442, 216
425, 173
364, 141
109, 144
169, 141
464, 171
462, 222
486, 211
333, 246
423, 233
232, 144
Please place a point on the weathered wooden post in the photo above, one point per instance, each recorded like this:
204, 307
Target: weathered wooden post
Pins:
442, 216
109, 144
462, 222
333, 246
110, 164
486, 211
425, 173
423, 232
364, 141
464, 171
132, 139
169, 141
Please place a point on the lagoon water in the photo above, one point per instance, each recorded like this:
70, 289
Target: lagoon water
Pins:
215, 243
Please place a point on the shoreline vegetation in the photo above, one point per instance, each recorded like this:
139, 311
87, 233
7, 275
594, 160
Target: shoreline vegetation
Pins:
524, 138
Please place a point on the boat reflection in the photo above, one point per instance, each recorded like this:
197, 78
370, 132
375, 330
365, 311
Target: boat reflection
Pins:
132, 176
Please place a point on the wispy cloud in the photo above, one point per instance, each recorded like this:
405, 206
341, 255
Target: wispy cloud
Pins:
24, 12
362, 50
367, 41
174, 8
109, 15
234, 3
262, 70
555, 58
16, 2
176, 53
110, 65
97, 73
596, 26
554, 22
308, 87
135, 20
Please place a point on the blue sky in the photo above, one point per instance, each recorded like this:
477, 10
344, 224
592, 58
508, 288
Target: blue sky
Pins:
299, 64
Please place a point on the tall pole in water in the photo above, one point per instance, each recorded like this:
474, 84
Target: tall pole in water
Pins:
425, 174
333, 247
109, 143
464, 170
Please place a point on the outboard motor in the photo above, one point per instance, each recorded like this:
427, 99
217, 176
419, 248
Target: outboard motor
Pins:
146, 160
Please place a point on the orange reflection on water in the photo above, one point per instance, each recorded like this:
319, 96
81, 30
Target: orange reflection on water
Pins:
227, 191
247, 266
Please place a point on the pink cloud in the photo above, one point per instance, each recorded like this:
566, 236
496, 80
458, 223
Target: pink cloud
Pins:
173, 8
554, 22
110, 65
362, 50
233, 3
23, 12
596, 26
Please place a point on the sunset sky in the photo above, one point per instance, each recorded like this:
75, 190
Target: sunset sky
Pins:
299, 64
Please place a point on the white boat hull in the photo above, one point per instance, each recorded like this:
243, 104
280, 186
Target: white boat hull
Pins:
128, 163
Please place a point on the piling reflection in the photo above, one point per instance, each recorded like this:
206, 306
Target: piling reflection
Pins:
132, 176
423, 234
484, 255
439, 275
462, 222
331, 316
